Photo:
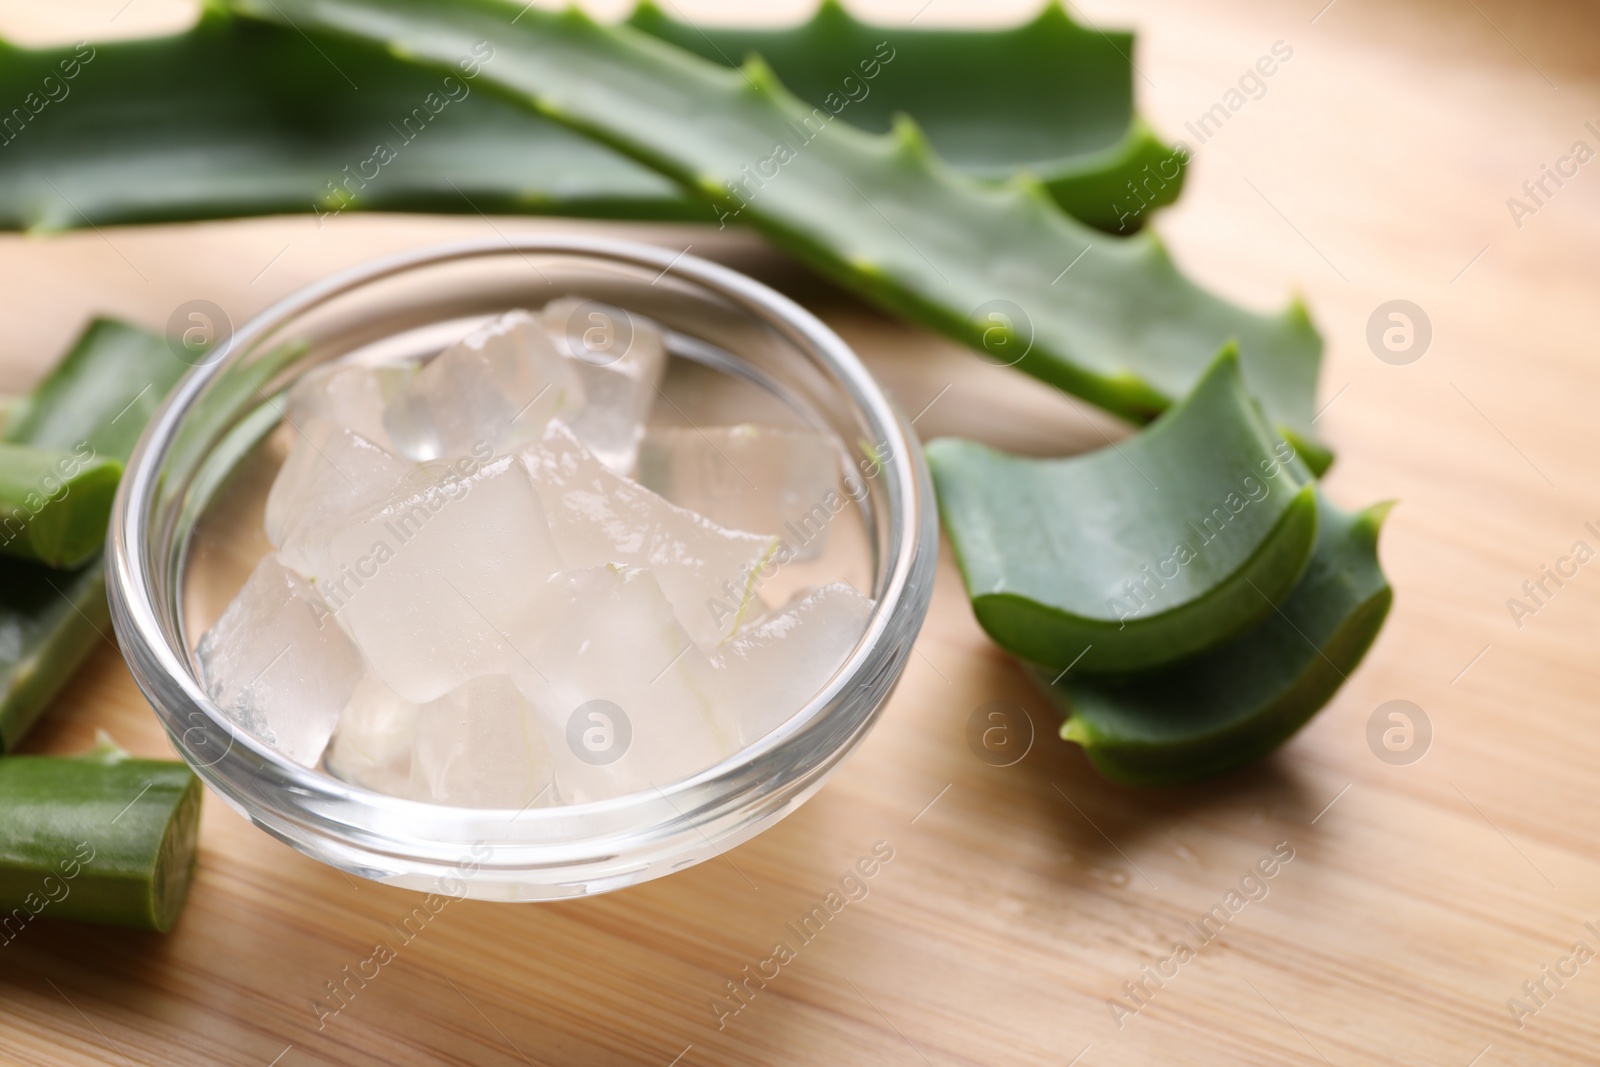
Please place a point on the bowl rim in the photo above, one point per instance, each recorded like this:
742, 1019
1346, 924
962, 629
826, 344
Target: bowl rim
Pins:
904, 576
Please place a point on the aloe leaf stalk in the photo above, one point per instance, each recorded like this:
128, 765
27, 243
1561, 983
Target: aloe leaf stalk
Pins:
1140, 553
98, 398
54, 505
1049, 96
1109, 319
99, 838
1238, 701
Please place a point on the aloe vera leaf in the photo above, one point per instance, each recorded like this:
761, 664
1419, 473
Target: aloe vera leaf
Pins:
242, 119
1140, 553
97, 838
54, 505
1238, 701
232, 118
1049, 96
100, 395
880, 214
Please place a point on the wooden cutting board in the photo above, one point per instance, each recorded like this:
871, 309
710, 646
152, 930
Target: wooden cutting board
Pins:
1020, 901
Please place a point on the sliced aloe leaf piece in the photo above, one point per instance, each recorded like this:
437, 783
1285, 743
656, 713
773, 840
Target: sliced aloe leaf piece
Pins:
1108, 319
100, 397
1050, 96
1140, 553
54, 505
1240, 700
99, 837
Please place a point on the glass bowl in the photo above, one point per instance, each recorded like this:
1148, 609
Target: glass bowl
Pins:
200, 446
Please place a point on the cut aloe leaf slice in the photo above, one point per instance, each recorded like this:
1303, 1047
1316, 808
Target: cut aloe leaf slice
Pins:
229, 119
97, 838
1238, 701
54, 505
99, 396
1050, 96
1001, 268
1138, 554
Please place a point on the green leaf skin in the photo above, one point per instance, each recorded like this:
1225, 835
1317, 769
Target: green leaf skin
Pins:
95, 840
1141, 553
100, 396
54, 505
1239, 701
1108, 319
242, 119
235, 118
1050, 96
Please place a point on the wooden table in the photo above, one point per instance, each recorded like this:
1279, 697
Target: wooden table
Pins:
1020, 900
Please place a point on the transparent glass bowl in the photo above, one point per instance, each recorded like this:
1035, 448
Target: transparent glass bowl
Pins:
204, 437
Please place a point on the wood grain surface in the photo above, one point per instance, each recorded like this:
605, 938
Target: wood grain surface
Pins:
1020, 900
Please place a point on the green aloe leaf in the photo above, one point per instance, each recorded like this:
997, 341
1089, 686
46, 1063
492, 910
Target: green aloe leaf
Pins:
1240, 700
1138, 554
1050, 96
1109, 319
242, 119
54, 505
98, 397
99, 837
233, 118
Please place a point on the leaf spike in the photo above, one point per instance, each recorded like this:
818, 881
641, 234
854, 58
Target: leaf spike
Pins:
1027, 183
833, 13
1073, 730
909, 140
574, 15
1299, 312
646, 9
759, 76
1375, 514
1054, 13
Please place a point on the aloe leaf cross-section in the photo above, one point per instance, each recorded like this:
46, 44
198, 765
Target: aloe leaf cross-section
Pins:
1138, 554
1238, 701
